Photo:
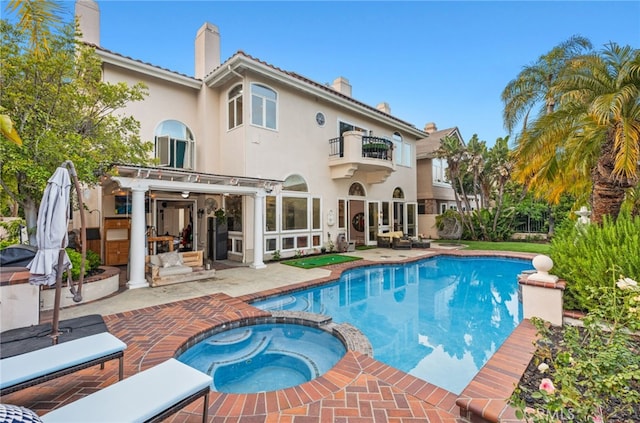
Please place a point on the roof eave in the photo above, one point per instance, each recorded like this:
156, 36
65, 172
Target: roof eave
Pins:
148, 69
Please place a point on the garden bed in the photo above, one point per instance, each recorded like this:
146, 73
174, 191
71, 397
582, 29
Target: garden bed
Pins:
532, 379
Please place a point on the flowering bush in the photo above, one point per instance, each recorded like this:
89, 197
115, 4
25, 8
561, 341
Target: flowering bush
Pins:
591, 373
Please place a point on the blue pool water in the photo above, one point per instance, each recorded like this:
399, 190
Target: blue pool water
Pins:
439, 319
264, 357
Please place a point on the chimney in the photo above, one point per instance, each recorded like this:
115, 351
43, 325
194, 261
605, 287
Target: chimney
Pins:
207, 50
384, 107
88, 14
342, 85
430, 128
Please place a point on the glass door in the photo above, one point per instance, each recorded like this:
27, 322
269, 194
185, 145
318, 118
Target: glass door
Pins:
373, 210
412, 219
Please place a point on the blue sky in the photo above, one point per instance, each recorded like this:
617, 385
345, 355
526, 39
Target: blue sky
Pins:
445, 62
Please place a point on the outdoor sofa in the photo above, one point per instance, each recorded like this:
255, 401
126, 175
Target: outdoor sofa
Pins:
176, 267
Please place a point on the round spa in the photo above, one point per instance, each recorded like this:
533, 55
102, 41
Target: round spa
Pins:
264, 357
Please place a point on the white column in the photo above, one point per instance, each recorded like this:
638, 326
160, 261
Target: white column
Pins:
258, 230
137, 249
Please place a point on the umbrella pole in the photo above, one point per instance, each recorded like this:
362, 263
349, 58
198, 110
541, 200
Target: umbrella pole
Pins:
77, 293
55, 331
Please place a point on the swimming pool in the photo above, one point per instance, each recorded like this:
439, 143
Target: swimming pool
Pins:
439, 319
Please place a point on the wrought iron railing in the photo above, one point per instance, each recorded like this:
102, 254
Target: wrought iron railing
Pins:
372, 147
336, 147
377, 148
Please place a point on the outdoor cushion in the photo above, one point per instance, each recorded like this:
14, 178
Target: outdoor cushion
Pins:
170, 259
174, 270
137, 398
23, 367
16, 414
155, 260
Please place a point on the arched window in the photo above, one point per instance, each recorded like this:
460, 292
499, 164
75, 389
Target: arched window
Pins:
175, 145
357, 190
398, 193
264, 106
295, 183
235, 106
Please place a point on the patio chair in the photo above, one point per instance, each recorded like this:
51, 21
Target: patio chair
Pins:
149, 396
403, 243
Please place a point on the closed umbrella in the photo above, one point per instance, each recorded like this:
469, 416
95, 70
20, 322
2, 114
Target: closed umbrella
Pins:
51, 259
51, 235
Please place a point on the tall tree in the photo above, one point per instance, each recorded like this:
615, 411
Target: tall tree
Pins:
533, 86
453, 150
63, 111
591, 143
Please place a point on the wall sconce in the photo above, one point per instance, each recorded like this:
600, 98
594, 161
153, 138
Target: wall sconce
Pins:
200, 213
185, 194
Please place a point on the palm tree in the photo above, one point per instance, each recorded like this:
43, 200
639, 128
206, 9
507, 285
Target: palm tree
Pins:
37, 18
533, 85
591, 143
453, 150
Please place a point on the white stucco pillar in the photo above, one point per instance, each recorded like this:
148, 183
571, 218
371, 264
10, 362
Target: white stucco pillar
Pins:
137, 249
258, 230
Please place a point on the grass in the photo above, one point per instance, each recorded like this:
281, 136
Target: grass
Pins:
516, 246
317, 261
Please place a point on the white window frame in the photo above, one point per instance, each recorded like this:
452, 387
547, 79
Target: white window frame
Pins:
163, 146
232, 106
262, 120
402, 150
439, 172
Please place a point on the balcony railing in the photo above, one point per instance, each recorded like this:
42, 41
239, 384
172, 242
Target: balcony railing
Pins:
372, 147
354, 151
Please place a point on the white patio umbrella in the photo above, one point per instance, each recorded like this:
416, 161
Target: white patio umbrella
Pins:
51, 259
51, 235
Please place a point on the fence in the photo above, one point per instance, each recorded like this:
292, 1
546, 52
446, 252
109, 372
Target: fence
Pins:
527, 224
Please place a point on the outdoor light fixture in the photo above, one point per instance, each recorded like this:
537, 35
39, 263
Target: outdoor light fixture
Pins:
185, 194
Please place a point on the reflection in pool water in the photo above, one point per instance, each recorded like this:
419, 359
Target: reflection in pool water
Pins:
264, 357
439, 319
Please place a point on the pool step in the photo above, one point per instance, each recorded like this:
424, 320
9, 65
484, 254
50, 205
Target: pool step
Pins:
249, 351
225, 343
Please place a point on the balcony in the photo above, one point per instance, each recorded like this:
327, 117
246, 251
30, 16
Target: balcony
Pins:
373, 156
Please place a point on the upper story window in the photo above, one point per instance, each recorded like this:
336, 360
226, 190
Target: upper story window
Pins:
398, 193
264, 106
401, 150
235, 107
175, 145
439, 171
345, 126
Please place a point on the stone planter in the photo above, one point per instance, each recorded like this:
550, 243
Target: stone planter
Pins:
93, 288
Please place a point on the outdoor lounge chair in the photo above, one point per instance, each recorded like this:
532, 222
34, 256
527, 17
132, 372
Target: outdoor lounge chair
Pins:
34, 367
149, 396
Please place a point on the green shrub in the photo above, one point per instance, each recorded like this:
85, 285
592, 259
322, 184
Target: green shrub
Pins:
588, 257
12, 232
92, 262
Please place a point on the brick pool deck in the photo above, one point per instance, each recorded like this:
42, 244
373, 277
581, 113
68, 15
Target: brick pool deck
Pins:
358, 389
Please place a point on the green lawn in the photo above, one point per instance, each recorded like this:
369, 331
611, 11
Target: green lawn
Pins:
521, 247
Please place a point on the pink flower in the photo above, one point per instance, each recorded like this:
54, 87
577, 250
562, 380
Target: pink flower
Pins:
597, 419
547, 385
